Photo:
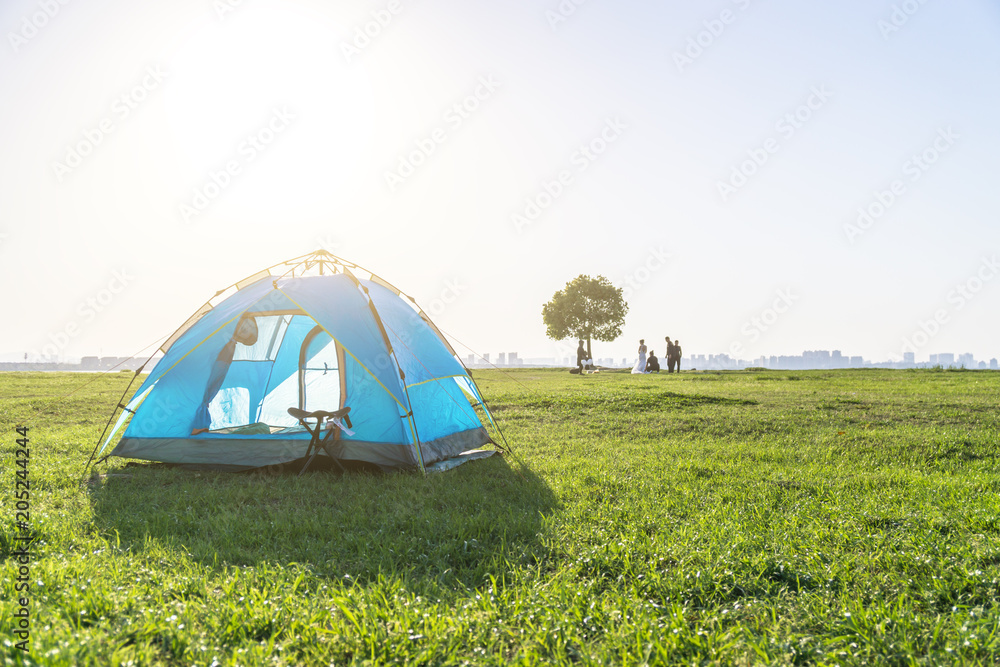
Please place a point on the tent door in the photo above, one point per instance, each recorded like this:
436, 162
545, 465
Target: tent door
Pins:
321, 381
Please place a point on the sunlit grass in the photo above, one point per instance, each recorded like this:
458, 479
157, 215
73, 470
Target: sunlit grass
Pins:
842, 517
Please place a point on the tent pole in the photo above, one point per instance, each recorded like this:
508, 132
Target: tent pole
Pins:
402, 375
113, 413
402, 381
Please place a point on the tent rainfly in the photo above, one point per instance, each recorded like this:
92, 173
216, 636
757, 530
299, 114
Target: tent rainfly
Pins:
307, 334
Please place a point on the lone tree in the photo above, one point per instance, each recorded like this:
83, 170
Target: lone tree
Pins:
586, 308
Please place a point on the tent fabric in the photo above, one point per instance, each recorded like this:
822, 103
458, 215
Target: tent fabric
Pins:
220, 394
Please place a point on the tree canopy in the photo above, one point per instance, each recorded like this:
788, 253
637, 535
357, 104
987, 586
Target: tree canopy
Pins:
586, 308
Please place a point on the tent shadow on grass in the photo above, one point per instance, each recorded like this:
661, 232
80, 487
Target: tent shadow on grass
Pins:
458, 526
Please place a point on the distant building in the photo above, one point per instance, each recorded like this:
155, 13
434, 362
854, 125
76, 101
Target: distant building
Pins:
909, 358
486, 357
966, 360
993, 364
946, 359
502, 359
512, 359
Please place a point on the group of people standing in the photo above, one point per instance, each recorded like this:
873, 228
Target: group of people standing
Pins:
652, 364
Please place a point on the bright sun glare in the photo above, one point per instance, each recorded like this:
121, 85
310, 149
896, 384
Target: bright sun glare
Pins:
269, 80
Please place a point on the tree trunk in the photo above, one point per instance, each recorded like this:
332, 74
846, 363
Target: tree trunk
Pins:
589, 353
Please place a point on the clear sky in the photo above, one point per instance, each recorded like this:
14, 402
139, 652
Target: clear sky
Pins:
715, 158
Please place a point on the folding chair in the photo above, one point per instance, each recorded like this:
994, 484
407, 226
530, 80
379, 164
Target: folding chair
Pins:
319, 440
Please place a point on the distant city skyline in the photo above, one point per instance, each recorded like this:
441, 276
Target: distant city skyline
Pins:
807, 359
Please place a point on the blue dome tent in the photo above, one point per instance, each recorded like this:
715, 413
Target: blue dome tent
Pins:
311, 335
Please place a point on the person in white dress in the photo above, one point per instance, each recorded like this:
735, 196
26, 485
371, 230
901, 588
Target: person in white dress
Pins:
640, 365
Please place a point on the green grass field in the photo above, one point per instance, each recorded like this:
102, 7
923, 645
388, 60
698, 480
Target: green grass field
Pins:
844, 517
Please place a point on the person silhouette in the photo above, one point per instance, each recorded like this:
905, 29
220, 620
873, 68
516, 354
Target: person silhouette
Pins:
652, 363
581, 356
677, 354
640, 365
